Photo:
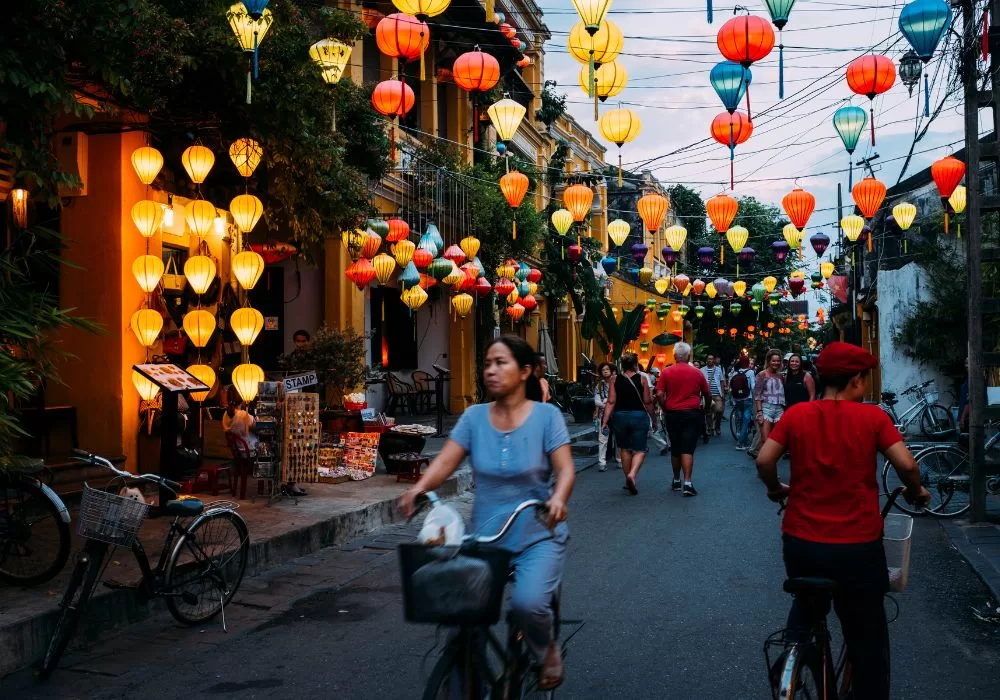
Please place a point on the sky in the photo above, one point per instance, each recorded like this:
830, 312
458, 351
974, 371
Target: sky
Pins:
668, 52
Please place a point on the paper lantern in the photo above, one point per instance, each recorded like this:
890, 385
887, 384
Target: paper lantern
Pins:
402, 36
361, 272
331, 56
957, 200
246, 378
799, 206
534, 276
711, 290
652, 209
200, 217
371, 244
393, 98
354, 241
246, 210
147, 162
730, 81
661, 285
475, 71
923, 23
731, 129
639, 252
852, 225
849, 122
200, 272
737, 237
645, 275
147, 270
248, 266
819, 242
245, 154
147, 216
414, 297
398, 230
462, 304
455, 254
681, 282
197, 161
668, 254
199, 326
204, 374
793, 236
422, 258
515, 311
247, 324
769, 283
745, 39
868, 195
578, 199
562, 220
722, 210
871, 75
676, 236
608, 80
698, 286
385, 266
403, 252
591, 12
947, 173
904, 213
410, 276
514, 185
422, 8
455, 276
602, 46
506, 116
147, 390
618, 231
826, 269
706, 256
739, 289
146, 324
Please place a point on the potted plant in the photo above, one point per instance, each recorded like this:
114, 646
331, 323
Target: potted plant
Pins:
337, 357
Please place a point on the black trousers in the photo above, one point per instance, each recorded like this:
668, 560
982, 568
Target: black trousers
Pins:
861, 571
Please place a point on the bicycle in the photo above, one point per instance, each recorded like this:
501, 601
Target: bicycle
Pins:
200, 567
934, 418
34, 526
804, 668
465, 668
736, 424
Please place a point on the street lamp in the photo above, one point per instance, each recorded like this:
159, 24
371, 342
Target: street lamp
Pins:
909, 70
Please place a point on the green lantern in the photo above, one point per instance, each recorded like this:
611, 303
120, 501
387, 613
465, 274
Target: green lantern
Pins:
651, 304
379, 226
735, 308
773, 298
699, 310
758, 292
644, 346
661, 313
684, 310
755, 305
717, 310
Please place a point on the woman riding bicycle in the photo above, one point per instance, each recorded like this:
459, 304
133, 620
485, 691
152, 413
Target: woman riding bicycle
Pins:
516, 446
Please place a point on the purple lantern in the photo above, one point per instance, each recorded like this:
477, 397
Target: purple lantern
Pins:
746, 255
706, 256
780, 250
669, 255
865, 232
820, 242
639, 251
722, 286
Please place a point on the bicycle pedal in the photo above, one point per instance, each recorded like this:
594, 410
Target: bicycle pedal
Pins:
118, 585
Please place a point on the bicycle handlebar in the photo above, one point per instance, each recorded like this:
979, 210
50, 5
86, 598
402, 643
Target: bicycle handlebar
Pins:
918, 387
98, 461
432, 498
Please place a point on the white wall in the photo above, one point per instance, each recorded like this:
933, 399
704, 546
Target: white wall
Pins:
898, 291
305, 310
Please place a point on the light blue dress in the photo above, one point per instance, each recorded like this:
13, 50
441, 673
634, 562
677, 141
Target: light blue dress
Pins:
511, 467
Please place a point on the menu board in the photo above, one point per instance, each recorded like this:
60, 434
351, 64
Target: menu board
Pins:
360, 454
171, 377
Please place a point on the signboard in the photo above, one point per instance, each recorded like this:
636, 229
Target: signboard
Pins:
299, 382
270, 323
360, 454
170, 377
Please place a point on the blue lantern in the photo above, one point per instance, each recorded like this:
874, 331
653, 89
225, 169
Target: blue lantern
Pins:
850, 122
609, 264
730, 81
255, 8
410, 276
501, 148
923, 23
435, 236
779, 11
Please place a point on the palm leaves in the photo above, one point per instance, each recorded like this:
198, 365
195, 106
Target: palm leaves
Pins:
614, 335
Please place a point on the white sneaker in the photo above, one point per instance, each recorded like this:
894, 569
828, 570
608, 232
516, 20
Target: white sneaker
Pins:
602, 467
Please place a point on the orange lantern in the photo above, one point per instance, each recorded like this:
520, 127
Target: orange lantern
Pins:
799, 206
515, 311
514, 186
393, 98
403, 37
398, 230
745, 39
361, 272
947, 173
371, 245
722, 210
652, 208
870, 76
868, 195
476, 72
578, 199
731, 130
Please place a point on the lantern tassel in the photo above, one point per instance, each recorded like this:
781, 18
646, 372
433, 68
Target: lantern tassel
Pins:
960, 231
749, 116
392, 144
595, 103
722, 254
423, 70
591, 80
870, 236
256, 46
333, 117
490, 10
732, 166
515, 228
781, 67
946, 220
927, 97
871, 111
475, 116
709, 8
906, 246
619, 168
249, 83
850, 172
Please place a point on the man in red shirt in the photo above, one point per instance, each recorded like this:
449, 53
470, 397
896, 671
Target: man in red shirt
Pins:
833, 528
679, 390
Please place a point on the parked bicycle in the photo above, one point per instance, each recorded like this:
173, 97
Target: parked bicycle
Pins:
804, 665
34, 526
200, 567
474, 664
934, 418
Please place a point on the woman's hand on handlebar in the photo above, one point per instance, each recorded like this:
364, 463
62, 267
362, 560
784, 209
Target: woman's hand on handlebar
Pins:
919, 497
779, 494
557, 512
408, 501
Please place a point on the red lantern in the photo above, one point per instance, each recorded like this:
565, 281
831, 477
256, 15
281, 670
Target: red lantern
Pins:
731, 130
947, 173
644, 327
476, 72
371, 17
661, 358
504, 287
369, 249
574, 253
652, 208
528, 302
427, 281
796, 285
393, 98
455, 254
871, 75
799, 206
524, 62
508, 31
868, 195
483, 286
403, 37
516, 43
578, 199
745, 39
514, 186
422, 258
469, 283
398, 230
534, 275
361, 272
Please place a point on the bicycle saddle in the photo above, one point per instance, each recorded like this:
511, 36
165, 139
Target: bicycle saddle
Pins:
889, 397
810, 584
188, 508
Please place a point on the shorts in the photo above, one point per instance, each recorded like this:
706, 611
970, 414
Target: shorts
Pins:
684, 428
631, 430
772, 412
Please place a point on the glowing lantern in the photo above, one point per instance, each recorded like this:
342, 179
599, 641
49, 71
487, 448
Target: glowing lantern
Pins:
516, 312
578, 199
393, 98
871, 75
147, 270
200, 217
739, 288
246, 378
957, 200
698, 286
852, 226
730, 81
245, 154
199, 326
826, 269
197, 161
147, 390
246, 210
676, 235
248, 266
644, 328
599, 47
562, 220
868, 195
793, 236
661, 285
722, 210
608, 80
414, 297
514, 186
147, 216
799, 206
398, 230
476, 72
618, 231
904, 213
681, 282
620, 126
711, 290
250, 24
372, 243
146, 324
717, 311
200, 272
731, 130
354, 241
947, 173
147, 162
247, 324
462, 304
506, 116
745, 39
769, 283
455, 254
422, 8
204, 374
652, 209
737, 237
470, 246
513, 296
780, 250
849, 122
404, 37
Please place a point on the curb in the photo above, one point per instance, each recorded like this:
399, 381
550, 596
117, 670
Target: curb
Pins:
982, 566
24, 642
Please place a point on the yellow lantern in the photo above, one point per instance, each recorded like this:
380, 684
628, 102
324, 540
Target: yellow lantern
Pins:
247, 323
197, 161
403, 252
147, 216
676, 235
146, 324
147, 161
609, 80
248, 266
710, 290
331, 56
19, 206
249, 31
506, 116
513, 296
422, 9
147, 390
645, 276
147, 270
385, 265
792, 235
204, 374
826, 269
354, 240
904, 213
414, 297
200, 217
532, 288
562, 220
737, 237
605, 41
739, 288
957, 199
246, 210
246, 377
769, 283
618, 231
797, 273
852, 225
200, 271
199, 326
462, 303
620, 125
470, 246
661, 285
245, 154
506, 271
455, 276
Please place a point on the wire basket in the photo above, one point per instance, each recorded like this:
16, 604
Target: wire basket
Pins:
897, 536
108, 517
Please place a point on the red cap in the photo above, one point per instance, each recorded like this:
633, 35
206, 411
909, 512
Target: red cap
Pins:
839, 359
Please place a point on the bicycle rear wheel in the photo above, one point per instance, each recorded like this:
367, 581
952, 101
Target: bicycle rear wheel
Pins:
935, 418
34, 540
735, 423
207, 566
946, 472
802, 676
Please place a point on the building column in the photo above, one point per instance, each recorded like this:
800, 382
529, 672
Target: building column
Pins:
566, 345
344, 304
462, 350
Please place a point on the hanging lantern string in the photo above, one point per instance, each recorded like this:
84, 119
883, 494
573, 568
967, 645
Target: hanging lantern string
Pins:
709, 8
781, 68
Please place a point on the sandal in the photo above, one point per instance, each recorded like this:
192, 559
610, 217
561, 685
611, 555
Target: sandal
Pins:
550, 675
630, 486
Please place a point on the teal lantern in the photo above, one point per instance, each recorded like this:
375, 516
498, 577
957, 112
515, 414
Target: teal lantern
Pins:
644, 346
730, 81
434, 235
849, 122
699, 311
758, 292
410, 277
923, 23
779, 11
717, 310
773, 298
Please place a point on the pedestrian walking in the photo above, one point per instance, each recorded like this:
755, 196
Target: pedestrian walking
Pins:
630, 403
769, 396
716, 377
680, 391
741, 386
604, 376
799, 384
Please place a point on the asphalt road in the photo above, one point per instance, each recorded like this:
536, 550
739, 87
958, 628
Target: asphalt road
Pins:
677, 595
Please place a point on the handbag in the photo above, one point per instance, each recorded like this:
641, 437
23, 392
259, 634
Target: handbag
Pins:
173, 281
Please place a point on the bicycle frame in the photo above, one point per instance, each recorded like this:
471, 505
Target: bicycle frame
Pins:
909, 415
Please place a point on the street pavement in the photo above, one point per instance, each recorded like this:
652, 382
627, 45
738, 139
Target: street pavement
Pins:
676, 596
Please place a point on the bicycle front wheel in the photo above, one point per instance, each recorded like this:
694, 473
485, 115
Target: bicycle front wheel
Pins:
34, 539
457, 676
207, 566
735, 422
946, 472
891, 481
935, 418
802, 676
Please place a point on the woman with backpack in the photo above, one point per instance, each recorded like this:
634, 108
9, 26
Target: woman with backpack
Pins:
741, 386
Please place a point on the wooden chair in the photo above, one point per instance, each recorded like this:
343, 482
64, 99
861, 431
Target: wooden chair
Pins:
400, 393
424, 389
243, 462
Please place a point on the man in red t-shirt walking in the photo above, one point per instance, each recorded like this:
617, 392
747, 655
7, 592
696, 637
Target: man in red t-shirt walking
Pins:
833, 528
679, 390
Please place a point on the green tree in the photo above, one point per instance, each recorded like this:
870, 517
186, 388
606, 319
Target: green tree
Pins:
689, 207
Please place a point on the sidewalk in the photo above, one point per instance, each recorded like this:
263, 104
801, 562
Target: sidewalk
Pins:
979, 543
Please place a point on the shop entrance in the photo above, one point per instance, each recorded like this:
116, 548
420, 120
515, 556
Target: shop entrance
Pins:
268, 297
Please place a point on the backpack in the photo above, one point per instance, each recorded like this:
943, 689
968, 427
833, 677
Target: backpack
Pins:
739, 385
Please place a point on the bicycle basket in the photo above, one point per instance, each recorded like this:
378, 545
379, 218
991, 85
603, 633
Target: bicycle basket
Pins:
453, 586
897, 536
108, 517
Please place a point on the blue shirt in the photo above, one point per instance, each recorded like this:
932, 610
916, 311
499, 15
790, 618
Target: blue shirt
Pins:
511, 467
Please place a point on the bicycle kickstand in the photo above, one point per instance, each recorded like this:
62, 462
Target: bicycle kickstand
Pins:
222, 608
